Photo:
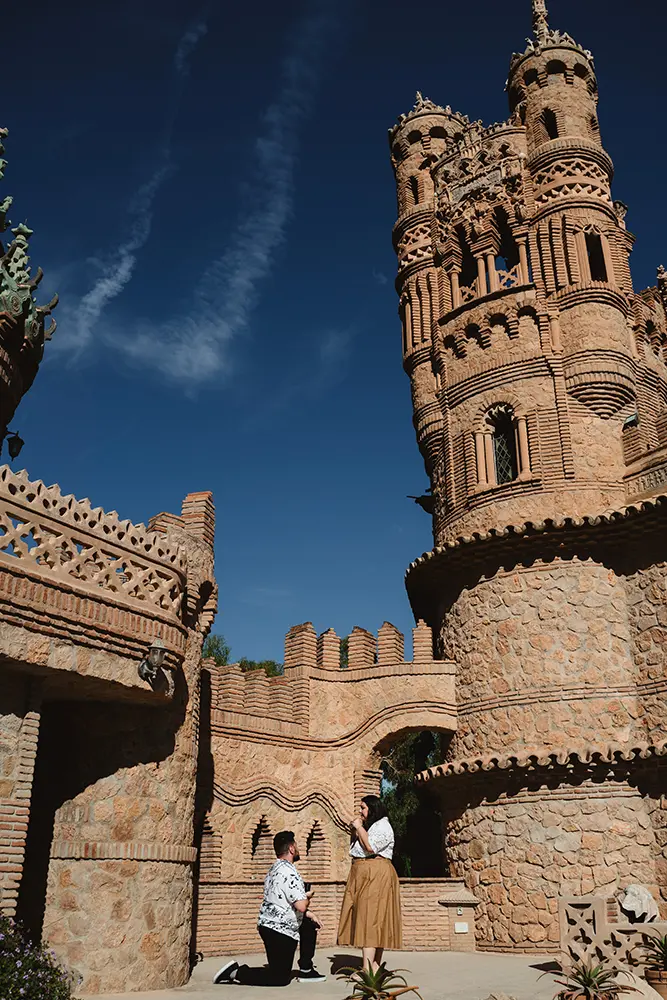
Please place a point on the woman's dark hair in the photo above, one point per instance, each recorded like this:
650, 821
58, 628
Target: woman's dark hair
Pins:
376, 810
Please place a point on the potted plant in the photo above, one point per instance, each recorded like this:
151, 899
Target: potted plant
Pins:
586, 981
381, 984
655, 954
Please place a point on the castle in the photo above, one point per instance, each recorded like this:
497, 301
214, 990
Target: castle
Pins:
140, 787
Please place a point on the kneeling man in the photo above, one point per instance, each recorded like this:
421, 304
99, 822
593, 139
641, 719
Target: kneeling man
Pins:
285, 920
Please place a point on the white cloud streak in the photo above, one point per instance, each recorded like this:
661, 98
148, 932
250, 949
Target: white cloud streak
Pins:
186, 47
194, 347
77, 321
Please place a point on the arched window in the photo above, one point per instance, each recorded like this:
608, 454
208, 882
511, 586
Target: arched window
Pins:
501, 421
555, 68
414, 190
502, 453
550, 123
596, 263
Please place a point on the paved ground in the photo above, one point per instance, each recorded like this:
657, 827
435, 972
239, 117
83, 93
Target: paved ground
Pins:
439, 976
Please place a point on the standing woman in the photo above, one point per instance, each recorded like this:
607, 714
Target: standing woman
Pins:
370, 917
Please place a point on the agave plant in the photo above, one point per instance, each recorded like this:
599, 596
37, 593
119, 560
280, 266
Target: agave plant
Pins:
585, 981
655, 950
379, 984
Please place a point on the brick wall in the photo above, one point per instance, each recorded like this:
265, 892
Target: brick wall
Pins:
19, 729
227, 922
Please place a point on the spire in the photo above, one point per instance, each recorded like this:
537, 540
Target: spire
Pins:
540, 19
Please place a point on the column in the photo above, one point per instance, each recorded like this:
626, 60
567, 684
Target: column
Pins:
481, 460
481, 276
490, 460
456, 290
491, 270
582, 257
523, 260
554, 329
522, 442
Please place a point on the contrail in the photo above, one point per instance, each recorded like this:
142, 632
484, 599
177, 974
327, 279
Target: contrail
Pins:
78, 322
192, 348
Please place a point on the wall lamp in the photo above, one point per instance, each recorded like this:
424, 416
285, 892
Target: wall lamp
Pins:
14, 444
152, 663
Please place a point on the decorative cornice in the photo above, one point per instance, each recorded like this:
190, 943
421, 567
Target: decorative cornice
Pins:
431, 575
424, 106
537, 760
550, 524
549, 39
85, 850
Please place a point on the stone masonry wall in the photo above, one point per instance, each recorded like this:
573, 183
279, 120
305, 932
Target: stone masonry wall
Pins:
647, 610
519, 851
542, 651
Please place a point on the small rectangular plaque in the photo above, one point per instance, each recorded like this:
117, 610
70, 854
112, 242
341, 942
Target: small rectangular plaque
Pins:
460, 927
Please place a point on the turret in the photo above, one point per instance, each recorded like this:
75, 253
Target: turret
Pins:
514, 288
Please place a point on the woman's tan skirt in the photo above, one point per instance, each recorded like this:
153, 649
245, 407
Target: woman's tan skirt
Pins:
371, 913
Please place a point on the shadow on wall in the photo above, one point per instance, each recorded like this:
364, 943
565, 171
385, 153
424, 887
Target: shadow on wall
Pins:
203, 796
82, 743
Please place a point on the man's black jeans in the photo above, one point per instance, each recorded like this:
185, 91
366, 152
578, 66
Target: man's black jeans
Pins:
280, 951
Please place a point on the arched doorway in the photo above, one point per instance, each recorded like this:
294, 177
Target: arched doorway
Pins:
414, 812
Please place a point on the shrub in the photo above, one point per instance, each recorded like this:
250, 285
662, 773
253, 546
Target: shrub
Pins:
29, 971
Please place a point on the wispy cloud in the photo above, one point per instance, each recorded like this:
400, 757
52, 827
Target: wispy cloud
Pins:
78, 319
194, 347
187, 45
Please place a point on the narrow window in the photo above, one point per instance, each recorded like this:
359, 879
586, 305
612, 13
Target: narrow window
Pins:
414, 190
501, 420
596, 262
508, 252
550, 123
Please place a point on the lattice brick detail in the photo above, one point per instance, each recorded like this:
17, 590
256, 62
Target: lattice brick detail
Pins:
587, 933
61, 537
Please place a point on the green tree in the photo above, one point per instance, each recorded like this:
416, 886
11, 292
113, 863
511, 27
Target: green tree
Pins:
216, 648
344, 645
271, 667
416, 821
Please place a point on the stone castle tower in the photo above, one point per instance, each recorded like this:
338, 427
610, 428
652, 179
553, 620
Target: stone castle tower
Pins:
539, 388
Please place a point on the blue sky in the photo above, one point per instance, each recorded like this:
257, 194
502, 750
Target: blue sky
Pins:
212, 197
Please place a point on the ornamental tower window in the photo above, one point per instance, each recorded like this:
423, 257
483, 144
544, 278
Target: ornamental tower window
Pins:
501, 421
501, 448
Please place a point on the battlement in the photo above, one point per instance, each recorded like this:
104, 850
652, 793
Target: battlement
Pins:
304, 648
314, 678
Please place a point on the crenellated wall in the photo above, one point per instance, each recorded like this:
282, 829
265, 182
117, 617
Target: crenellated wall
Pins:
298, 751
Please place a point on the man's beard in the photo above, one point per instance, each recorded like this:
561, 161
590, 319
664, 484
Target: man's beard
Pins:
296, 857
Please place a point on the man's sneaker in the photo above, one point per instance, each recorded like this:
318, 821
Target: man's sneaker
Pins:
310, 976
226, 974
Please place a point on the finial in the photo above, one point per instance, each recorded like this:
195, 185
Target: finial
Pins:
540, 19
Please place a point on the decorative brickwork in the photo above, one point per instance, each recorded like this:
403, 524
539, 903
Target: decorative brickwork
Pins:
539, 386
97, 765
297, 752
228, 915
